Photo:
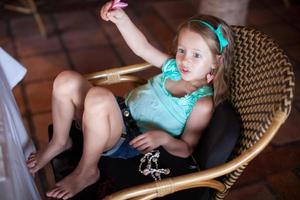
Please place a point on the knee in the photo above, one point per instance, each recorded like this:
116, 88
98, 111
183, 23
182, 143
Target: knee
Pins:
98, 99
66, 82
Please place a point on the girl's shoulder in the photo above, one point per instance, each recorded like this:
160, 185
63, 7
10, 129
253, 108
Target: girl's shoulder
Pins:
204, 105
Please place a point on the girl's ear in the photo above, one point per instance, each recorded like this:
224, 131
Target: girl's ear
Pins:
218, 61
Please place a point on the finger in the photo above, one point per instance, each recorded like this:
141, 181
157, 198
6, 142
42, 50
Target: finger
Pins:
139, 143
105, 10
115, 15
103, 14
143, 147
136, 139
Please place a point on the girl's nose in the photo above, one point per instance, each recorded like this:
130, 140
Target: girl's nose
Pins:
186, 62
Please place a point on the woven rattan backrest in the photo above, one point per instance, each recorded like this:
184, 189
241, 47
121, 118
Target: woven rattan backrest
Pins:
262, 82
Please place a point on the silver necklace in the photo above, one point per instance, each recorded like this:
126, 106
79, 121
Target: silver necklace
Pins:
149, 165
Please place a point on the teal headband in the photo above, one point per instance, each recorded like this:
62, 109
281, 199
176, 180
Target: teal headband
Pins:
218, 32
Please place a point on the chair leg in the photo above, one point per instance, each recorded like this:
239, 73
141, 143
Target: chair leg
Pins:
37, 17
29, 7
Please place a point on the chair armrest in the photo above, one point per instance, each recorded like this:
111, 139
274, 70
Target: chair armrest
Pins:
116, 75
201, 178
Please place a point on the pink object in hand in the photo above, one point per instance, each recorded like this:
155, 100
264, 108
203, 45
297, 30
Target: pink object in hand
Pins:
118, 4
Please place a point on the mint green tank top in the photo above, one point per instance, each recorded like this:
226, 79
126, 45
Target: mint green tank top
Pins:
153, 107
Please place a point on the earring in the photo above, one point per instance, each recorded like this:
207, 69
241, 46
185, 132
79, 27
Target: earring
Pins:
211, 75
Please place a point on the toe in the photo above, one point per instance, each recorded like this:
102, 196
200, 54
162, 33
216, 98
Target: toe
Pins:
31, 164
67, 196
61, 194
53, 192
31, 156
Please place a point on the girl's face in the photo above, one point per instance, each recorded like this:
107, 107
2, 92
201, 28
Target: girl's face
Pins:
193, 57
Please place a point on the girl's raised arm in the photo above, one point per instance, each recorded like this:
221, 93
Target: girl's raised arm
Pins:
134, 38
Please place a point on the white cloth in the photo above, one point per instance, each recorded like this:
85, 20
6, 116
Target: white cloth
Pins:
16, 182
13, 71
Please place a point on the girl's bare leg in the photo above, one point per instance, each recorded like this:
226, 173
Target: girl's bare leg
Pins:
102, 127
69, 91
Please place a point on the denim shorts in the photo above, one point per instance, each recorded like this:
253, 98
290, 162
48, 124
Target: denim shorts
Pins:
122, 149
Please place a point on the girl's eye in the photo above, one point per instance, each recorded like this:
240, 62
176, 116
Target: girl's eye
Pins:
197, 55
181, 51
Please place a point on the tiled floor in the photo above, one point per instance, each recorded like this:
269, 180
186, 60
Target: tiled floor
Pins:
78, 40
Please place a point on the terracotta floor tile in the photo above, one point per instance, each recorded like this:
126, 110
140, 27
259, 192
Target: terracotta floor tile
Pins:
256, 191
19, 99
26, 125
175, 9
3, 29
74, 39
289, 36
41, 122
163, 34
44, 67
261, 17
293, 51
297, 86
112, 33
290, 14
6, 43
297, 24
289, 131
116, 38
176, 12
26, 26
256, 4
35, 45
94, 59
286, 184
39, 96
128, 57
274, 3
271, 162
75, 20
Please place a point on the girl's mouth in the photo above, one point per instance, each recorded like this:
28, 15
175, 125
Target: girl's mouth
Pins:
183, 70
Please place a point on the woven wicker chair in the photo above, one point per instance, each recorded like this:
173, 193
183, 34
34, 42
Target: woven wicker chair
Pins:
262, 82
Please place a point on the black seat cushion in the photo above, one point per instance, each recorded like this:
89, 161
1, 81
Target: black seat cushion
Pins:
215, 146
219, 138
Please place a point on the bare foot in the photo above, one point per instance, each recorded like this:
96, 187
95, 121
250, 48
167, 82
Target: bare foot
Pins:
39, 159
73, 183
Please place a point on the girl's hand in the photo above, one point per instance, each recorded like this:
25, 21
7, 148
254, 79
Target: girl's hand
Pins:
150, 140
115, 15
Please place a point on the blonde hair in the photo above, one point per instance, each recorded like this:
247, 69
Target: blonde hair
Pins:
221, 77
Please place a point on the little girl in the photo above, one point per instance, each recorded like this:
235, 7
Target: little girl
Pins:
171, 110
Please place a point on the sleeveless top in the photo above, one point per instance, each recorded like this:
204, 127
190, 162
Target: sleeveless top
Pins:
153, 107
